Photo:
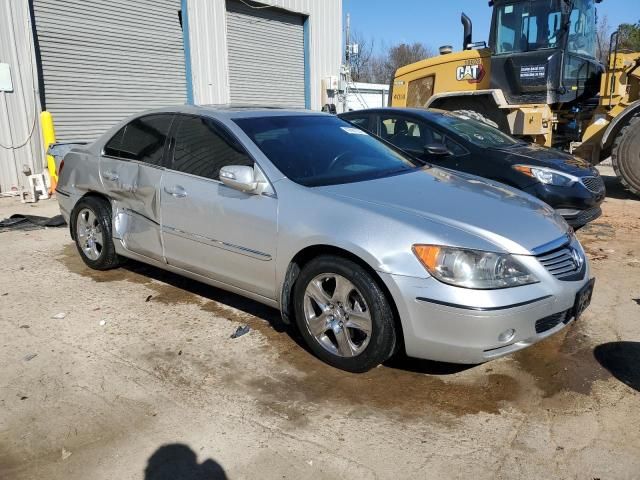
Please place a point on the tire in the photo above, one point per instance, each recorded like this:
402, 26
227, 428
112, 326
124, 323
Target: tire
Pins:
333, 298
625, 155
477, 116
91, 224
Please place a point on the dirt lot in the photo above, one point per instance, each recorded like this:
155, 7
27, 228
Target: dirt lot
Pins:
141, 380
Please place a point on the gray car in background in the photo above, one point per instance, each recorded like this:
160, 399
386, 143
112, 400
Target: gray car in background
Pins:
368, 250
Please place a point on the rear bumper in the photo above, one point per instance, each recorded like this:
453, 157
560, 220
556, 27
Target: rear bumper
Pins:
482, 325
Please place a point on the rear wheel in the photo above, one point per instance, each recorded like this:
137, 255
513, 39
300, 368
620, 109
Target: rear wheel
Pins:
625, 155
343, 314
91, 223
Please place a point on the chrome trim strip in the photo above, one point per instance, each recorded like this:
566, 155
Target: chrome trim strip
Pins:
552, 245
265, 257
62, 192
482, 309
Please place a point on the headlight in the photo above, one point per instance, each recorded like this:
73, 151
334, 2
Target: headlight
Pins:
473, 268
548, 176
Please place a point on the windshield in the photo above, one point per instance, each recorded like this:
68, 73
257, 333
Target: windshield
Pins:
538, 24
478, 133
316, 150
582, 28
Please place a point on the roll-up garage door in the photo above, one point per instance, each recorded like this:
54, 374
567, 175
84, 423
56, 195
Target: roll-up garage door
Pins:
105, 59
266, 56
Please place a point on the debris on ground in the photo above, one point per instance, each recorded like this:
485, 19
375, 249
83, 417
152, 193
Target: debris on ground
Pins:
59, 316
65, 453
24, 326
637, 300
5, 294
242, 330
31, 356
30, 222
102, 323
149, 298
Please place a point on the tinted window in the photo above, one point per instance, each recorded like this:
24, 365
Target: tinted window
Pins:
142, 139
202, 148
408, 134
362, 122
476, 132
316, 150
112, 147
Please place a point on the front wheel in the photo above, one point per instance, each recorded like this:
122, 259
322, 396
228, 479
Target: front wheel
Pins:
343, 314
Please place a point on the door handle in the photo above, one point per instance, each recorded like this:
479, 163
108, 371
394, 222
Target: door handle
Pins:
176, 191
109, 175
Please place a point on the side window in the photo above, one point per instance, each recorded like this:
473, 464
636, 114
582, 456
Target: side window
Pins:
142, 139
410, 135
202, 148
455, 149
112, 147
362, 122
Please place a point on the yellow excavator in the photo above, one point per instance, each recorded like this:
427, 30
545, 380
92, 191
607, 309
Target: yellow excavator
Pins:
539, 78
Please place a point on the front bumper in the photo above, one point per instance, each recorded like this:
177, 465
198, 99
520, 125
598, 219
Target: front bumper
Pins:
451, 324
577, 205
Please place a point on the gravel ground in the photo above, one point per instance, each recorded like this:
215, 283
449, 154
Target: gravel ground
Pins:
141, 380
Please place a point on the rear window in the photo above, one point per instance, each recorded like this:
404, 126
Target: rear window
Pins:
141, 139
324, 150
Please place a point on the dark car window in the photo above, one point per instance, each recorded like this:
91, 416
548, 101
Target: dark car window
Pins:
142, 139
360, 121
315, 150
475, 132
203, 148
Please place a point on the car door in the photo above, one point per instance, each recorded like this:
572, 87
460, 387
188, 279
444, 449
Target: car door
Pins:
131, 169
209, 228
413, 134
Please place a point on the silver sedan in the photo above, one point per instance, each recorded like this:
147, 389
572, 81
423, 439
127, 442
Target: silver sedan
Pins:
369, 251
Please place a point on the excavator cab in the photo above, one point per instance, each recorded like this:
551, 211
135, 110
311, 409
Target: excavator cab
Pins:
544, 51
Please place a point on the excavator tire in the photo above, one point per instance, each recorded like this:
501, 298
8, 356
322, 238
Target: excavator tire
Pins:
625, 155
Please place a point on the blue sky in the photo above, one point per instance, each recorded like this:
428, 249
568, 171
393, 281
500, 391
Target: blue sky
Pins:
437, 22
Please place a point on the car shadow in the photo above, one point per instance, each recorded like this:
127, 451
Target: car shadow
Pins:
616, 190
621, 359
400, 361
178, 461
256, 309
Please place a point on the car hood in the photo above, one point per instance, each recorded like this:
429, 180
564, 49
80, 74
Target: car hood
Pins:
532, 154
508, 218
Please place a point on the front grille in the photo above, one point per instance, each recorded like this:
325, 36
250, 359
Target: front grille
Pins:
562, 264
593, 184
547, 323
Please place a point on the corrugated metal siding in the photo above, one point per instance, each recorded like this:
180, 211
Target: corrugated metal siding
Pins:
20, 138
266, 56
106, 59
208, 38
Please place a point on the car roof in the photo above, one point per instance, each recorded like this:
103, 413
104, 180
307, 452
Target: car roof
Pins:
231, 111
428, 113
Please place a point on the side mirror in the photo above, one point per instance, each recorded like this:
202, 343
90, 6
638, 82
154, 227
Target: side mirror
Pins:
436, 149
239, 177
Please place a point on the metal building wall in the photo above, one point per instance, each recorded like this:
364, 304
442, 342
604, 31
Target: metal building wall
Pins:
208, 45
20, 137
104, 60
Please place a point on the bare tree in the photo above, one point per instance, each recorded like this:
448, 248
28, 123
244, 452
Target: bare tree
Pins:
361, 62
385, 65
603, 37
630, 36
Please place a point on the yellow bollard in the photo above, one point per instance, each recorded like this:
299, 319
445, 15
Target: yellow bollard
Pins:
49, 136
